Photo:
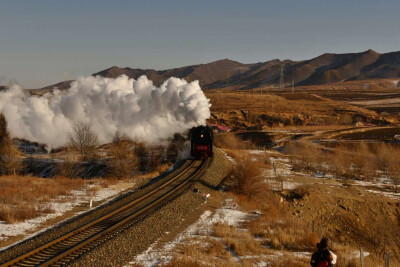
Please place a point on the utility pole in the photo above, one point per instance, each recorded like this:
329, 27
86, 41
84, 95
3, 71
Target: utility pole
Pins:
328, 78
281, 79
292, 86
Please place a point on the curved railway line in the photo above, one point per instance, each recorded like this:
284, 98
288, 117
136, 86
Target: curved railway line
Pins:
71, 245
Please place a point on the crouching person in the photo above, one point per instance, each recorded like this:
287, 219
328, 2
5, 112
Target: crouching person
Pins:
323, 257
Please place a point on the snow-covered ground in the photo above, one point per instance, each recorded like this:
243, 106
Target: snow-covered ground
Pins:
60, 206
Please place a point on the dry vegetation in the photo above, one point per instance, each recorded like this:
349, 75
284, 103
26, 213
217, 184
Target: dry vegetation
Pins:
229, 141
10, 163
24, 197
241, 110
358, 161
271, 228
274, 230
83, 139
123, 159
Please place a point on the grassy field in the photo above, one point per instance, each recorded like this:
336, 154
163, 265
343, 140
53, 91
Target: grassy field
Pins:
26, 197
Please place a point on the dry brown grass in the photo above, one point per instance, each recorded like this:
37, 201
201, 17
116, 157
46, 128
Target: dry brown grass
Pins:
359, 161
347, 259
240, 109
25, 197
15, 214
241, 243
202, 252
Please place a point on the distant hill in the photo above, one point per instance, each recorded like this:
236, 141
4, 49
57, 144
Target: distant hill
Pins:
319, 70
61, 86
207, 74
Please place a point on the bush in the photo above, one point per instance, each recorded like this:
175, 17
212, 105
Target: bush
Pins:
10, 163
17, 214
83, 139
248, 179
123, 160
142, 154
228, 141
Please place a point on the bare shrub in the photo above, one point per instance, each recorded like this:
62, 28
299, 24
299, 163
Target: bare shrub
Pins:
175, 146
83, 139
155, 156
119, 137
142, 153
3, 128
173, 151
10, 163
228, 141
123, 160
248, 179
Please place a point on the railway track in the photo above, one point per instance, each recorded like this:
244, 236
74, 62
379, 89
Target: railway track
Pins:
71, 245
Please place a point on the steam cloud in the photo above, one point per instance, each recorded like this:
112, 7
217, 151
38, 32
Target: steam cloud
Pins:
136, 108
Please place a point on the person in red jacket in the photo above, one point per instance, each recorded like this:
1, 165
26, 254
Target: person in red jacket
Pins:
323, 257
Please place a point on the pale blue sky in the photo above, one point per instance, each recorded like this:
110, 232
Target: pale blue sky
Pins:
43, 42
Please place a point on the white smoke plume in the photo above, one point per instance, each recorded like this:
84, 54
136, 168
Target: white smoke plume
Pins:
136, 108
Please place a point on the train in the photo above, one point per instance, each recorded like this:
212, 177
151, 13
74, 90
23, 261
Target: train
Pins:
201, 142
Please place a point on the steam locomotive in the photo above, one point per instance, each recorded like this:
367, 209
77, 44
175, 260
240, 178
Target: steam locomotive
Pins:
201, 142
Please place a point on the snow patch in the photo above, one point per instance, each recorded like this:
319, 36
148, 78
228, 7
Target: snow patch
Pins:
228, 214
391, 195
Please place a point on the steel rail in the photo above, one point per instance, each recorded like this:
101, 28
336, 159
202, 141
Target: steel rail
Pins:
77, 241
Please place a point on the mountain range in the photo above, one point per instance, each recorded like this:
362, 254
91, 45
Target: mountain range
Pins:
319, 70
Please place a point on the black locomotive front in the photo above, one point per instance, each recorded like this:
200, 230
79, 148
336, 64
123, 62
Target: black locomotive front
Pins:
201, 142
